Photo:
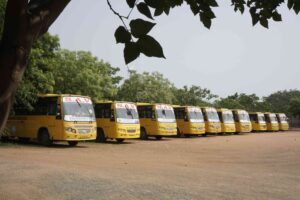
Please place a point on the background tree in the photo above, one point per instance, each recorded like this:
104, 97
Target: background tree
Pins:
279, 101
146, 87
39, 78
81, 73
27, 20
193, 95
294, 106
243, 101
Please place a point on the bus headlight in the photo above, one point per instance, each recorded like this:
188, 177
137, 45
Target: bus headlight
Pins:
69, 129
121, 130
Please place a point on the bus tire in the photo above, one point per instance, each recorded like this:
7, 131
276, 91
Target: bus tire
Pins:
204, 135
100, 136
23, 139
72, 143
187, 135
120, 140
44, 138
158, 137
144, 135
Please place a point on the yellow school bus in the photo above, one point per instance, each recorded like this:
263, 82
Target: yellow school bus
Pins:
272, 123
283, 122
227, 121
242, 121
189, 121
258, 121
55, 117
211, 119
116, 120
156, 120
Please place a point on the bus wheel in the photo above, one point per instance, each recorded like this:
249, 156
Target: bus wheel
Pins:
158, 137
119, 140
72, 143
44, 138
144, 135
100, 135
204, 135
187, 135
23, 139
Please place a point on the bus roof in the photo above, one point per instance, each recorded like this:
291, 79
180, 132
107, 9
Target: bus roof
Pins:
108, 101
255, 112
60, 95
223, 109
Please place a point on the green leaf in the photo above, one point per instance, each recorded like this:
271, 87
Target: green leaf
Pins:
158, 11
276, 16
152, 3
297, 7
212, 3
264, 22
122, 35
150, 47
140, 27
131, 52
144, 9
130, 3
205, 20
255, 19
290, 4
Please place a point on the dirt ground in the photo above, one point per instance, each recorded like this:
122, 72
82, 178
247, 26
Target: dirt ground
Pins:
251, 166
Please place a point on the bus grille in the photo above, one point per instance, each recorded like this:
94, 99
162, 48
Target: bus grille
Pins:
131, 130
84, 129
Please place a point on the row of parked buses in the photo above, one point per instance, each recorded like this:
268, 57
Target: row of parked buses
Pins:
75, 118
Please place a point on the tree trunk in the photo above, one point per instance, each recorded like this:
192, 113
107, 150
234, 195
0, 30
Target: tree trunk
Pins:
24, 23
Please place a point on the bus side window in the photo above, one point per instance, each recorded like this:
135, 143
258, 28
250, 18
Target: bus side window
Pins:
267, 118
53, 108
235, 116
141, 112
205, 115
253, 117
41, 108
220, 116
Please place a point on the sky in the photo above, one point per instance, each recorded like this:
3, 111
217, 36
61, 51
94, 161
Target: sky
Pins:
233, 56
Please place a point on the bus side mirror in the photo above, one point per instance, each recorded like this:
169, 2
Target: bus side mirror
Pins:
58, 112
186, 118
58, 115
112, 116
153, 116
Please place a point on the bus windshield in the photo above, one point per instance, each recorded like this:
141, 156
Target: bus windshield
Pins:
282, 118
196, 116
127, 114
273, 119
261, 118
212, 116
228, 117
165, 113
78, 109
244, 117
